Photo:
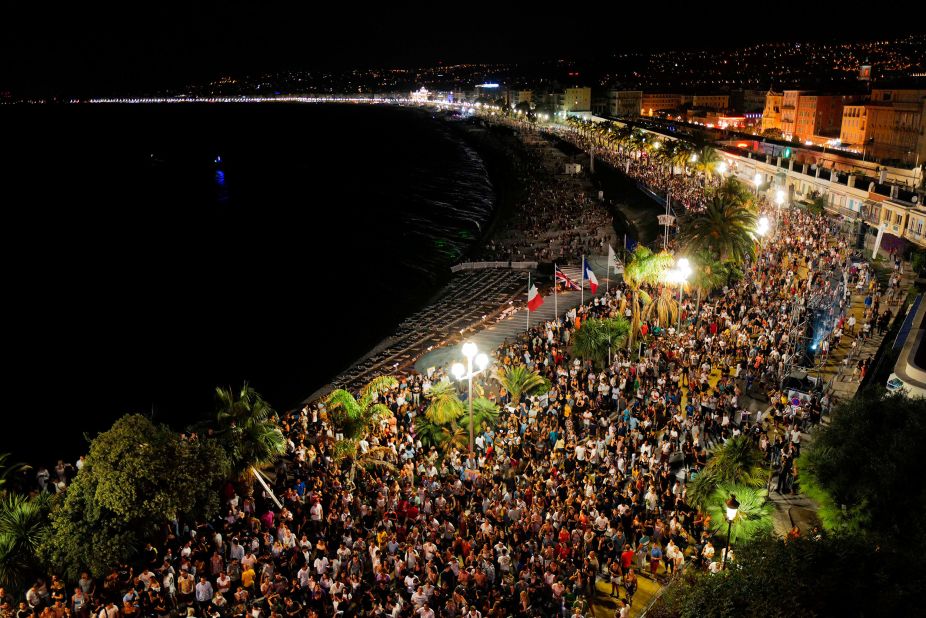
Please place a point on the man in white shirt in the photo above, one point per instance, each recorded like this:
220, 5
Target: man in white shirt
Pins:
321, 565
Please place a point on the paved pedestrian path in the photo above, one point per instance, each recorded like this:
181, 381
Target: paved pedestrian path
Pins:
837, 375
837, 371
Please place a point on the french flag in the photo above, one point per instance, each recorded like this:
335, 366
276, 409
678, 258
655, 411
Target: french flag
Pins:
588, 274
534, 299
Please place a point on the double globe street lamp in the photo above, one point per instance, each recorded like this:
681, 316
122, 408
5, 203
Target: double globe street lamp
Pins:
460, 372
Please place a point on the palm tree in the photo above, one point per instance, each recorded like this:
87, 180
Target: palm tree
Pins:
707, 160
355, 419
23, 525
485, 412
518, 380
444, 406
753, 517
707, 275
817, 203
440, 425
644, 267
683, 152
732, 190
665, 308
596, 337
637, 140
738, 462
248, 429
8, 470
668, 153
724, 228
622, 136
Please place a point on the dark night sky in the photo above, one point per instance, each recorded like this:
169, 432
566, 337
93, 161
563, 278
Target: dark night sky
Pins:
87, 46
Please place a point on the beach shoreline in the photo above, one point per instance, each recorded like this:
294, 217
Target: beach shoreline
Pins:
627, 206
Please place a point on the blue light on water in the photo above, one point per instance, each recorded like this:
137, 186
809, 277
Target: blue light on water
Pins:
220, 178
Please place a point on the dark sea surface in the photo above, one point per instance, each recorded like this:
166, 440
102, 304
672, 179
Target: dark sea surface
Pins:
140, 273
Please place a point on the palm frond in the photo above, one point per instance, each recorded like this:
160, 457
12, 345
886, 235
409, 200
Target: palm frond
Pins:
342, 407
444, 405
518, 380
754, 516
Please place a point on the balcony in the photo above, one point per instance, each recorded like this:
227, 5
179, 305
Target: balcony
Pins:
917, 238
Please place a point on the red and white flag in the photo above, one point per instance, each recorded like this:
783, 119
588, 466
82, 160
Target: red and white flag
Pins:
534, 299
588, 274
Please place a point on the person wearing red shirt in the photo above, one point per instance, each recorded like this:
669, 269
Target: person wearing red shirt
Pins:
626, 558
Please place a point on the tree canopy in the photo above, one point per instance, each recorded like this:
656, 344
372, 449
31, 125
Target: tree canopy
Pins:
833, 576
596, 337
867, 460
136, 476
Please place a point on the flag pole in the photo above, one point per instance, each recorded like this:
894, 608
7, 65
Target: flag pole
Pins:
582, 284
528, 300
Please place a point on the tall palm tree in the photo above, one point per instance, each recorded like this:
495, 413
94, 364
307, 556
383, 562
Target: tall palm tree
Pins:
597, 337
354, 419
518, 380
707, 160
23, 525
734, 191
668, 153
643, 268
637, 141
724, 228
683, 153
707, 273
664, 308
248, 429
622, 136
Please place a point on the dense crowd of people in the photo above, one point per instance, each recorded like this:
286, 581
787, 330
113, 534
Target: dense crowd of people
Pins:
574, 494
686, 185
555, 216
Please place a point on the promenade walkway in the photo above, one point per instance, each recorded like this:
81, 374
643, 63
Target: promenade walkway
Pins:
489, 336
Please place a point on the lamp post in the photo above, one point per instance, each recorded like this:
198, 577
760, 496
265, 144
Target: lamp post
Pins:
757, 179
732, 509
472, 354
680, 274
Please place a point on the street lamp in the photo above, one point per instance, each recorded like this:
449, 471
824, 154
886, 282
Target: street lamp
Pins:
732, 509
683, 271
722, 168
762, 226
472, 354
757, 179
